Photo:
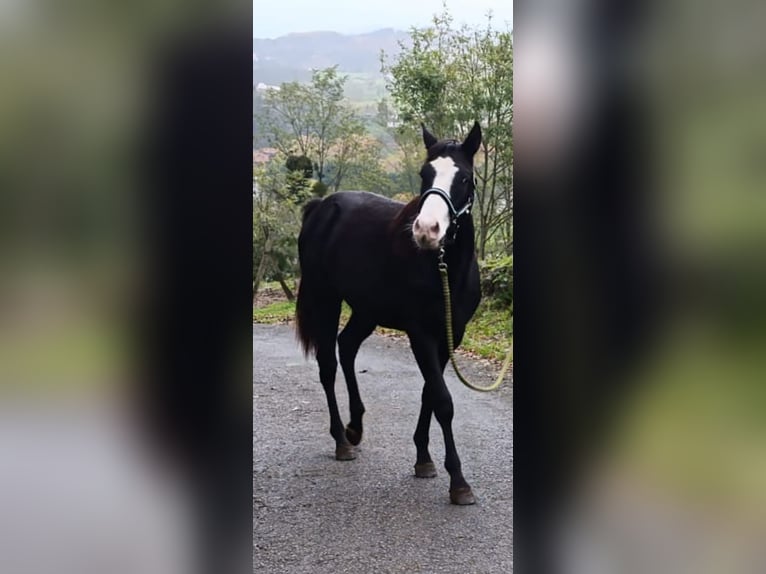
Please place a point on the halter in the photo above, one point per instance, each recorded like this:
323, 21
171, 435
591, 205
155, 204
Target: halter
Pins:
454, 213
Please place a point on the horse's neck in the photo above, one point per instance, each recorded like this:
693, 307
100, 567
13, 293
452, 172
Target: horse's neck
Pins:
459, 257
461, 252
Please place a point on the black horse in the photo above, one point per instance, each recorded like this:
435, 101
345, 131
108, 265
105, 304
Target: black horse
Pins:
381, 257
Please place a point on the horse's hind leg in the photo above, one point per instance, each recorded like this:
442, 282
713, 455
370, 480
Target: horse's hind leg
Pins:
356, 331
328, 366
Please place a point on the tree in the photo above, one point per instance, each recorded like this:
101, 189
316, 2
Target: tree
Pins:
277, 197
358, 165
300, 163
313, 120
408, 143
448, 78
299, 171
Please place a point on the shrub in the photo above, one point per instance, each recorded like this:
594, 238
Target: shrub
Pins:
319, 189
404, 197
497, 279
300, 163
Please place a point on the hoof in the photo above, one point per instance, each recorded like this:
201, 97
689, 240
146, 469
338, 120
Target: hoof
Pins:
345, 452
462, 496
354, 436
425, 470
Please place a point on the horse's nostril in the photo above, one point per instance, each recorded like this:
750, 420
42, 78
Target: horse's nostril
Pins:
435, 227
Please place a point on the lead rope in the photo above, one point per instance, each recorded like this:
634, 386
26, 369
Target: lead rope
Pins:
451, 342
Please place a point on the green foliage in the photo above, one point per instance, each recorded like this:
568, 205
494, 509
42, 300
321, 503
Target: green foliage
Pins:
300, 163
497, 280
362, 168
314, 120
489, 334
319, 189
279, 312
277, 198
284, 312
404, 197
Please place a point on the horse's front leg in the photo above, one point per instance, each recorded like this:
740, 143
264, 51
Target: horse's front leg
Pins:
437, 396
424, 466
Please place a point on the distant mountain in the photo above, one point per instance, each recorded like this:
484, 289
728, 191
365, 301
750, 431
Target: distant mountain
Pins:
291, 58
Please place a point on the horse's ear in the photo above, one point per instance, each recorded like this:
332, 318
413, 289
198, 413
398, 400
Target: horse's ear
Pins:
472, 140
428, 138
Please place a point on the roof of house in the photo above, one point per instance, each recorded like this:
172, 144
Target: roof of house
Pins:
264, 155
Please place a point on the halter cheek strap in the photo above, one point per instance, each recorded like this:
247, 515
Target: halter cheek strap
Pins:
454, 213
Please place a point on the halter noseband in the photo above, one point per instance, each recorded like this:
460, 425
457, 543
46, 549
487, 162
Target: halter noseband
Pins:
454, 214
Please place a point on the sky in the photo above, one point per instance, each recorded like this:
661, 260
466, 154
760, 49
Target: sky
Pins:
276, 18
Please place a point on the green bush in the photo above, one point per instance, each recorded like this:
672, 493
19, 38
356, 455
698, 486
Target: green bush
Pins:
497, 279
319, 189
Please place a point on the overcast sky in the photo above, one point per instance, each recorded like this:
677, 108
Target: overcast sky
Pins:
272, 18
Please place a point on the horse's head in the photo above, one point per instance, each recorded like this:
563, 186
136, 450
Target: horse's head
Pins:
447, 189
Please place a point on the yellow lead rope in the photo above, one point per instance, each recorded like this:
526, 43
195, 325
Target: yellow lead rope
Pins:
451, 342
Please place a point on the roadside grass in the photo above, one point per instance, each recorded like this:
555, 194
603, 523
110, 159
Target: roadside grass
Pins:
487, 336
279, 312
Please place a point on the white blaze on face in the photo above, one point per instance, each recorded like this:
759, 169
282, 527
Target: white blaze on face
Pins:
431, 224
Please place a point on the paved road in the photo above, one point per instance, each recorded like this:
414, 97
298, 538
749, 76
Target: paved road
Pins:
314, 515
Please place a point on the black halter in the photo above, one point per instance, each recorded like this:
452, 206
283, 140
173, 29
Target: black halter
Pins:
455, 214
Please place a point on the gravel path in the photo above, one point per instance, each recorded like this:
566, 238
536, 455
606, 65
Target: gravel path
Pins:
313, 514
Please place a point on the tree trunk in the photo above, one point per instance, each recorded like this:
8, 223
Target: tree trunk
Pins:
285, 288
483, 240
261, 269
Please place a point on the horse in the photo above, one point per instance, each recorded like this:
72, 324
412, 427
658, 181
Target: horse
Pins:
381, 256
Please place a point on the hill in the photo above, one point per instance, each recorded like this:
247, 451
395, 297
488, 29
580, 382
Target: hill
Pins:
292, 57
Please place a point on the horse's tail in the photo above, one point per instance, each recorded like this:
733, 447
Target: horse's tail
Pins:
305, 314
308, 301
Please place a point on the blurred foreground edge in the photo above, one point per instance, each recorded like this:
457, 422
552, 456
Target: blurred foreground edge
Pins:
125, 287
639, 288
586, 281
197, 323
